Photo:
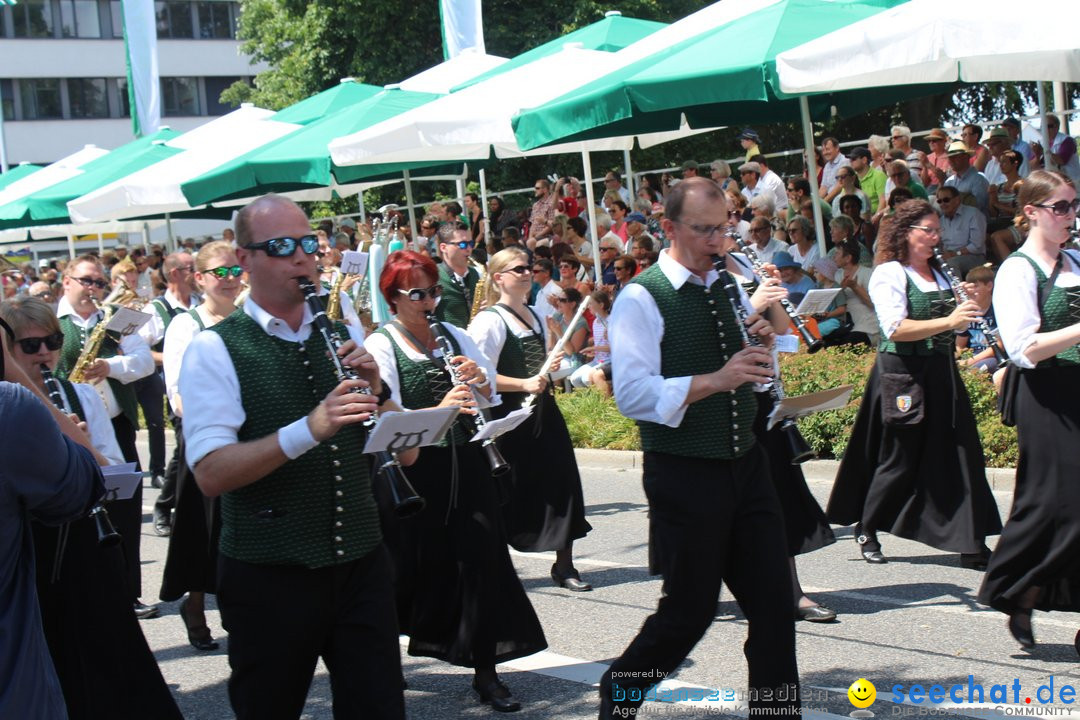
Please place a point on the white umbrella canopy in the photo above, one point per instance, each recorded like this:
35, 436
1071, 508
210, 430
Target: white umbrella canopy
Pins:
458, 69
928, 41
59, 171
155, 190
53, 232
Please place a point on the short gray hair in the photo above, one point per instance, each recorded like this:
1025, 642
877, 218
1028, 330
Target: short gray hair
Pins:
762, 202
721, 168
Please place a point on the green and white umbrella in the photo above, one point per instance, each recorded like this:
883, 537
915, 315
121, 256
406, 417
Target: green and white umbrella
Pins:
17, 173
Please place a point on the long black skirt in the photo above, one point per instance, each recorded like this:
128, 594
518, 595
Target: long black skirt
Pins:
805, 523
925, 481
1040, 545
546, 507
105, 666
191, 562
459, 598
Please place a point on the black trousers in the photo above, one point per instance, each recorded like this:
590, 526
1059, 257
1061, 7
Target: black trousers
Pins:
166, 501
282, 618
712, 521
150, 392
127, 515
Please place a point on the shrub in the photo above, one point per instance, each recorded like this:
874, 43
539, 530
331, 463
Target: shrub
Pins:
595, 422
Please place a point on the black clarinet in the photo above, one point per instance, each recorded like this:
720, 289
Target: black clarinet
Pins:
813, 344
499, 466
405, 498
992, 335
797, 445
106, 533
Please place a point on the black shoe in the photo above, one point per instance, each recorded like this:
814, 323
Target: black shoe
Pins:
497, 696
1076, 642
975, 561
1020, 628
145, 612
162, 523
869, 546
874, 557
571, 581
157, 481
815, 613
199, 637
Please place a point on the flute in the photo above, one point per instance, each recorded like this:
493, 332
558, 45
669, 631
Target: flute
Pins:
957, 286
550, 360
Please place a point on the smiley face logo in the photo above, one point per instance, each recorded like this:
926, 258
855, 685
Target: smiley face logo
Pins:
862, 693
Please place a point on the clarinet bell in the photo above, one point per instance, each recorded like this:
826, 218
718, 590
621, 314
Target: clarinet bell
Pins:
798, 447
499, 466
106, 533
407, 502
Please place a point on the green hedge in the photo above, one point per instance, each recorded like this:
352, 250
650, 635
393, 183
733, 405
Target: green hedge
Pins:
594, 421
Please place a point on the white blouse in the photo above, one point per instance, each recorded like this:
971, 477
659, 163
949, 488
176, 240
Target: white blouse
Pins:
1016, 301
888, 290
488, 329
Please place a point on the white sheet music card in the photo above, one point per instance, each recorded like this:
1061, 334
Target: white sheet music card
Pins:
495, 428
399, 431
817, 301
121, 481
354, 262
788, 343
126, 321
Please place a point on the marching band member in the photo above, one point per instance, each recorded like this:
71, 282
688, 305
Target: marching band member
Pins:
456, 276
546, 510
459, 597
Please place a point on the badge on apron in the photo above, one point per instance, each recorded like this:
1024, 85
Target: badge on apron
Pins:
903, 403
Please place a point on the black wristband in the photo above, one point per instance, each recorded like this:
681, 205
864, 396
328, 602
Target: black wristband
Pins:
384, 394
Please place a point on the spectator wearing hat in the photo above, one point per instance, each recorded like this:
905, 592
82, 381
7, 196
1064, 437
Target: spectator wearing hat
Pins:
968, 181
348, 226
772, 182
871, 180
689, 169
750, 174
997, 142
963, 231
749, 141
1012, 126
901, 140
792, 277
635, 230
834, 160
936, 168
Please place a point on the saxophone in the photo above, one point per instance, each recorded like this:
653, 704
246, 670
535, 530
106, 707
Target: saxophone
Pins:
333, 304
122, 294
480, 292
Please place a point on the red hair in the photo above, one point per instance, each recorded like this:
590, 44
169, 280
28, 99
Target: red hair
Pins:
395, 273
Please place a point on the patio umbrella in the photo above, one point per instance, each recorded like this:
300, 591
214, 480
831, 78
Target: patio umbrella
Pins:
346, 93
63, 169
17, 173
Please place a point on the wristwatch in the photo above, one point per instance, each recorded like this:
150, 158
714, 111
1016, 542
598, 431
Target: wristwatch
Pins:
384, 394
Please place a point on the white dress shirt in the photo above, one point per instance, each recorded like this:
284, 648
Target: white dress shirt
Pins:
829, 170
765, 254
1016, 301
888, 291
636, 329
776, 187
135, 361
98, 424
543, 307
210, 389
153, 331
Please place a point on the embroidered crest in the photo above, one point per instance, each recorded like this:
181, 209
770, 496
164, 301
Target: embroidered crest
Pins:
903, 403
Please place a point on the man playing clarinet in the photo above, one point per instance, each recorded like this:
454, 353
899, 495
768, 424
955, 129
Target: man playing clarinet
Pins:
303, 573
680, 370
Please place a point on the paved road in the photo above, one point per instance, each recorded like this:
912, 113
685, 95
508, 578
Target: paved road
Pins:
911, 621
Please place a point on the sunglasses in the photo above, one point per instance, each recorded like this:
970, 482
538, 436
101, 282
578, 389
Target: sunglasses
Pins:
520, 269
31, 345
464, 244
286, 246
226, 270
87, 282
1062, 207
419, 294
950, 198
621, 267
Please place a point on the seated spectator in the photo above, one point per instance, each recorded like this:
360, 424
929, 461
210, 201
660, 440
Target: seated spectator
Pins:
974, 338
1002, 196
598, 351
635, 230
560, 321
648, 260
570, 272
936, 168
865, 233
738, 211
832, 321
750, 175
792, 277
575, 239
511, 236
878, 146
969, 182
901, 140
900, 176
721, 174
798, 191
763, 240
978, 156
849, 186
804, 248
772, 182
625, 270
619, 211
749, 140
841, 229
963, 232
896, 198
548, 291
997, 142
834, 160
641, 247
871, 180
852, 276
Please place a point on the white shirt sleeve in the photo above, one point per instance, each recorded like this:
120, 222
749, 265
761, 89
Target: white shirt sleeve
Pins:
98, 424
182, 330
136, 361
488, 331
888, 290
1016, 307
382, 350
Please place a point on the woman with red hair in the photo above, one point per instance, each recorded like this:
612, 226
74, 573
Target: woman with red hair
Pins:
459, 597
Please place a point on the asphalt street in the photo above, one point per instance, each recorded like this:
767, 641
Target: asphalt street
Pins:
911, 622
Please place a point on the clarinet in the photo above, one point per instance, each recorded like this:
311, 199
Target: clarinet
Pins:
106, 533
797, 445
406, 500
813, 344
992, 335
499, 466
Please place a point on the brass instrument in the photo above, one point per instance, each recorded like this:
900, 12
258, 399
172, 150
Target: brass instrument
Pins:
992, 335
480, 292
333, 303
122, 294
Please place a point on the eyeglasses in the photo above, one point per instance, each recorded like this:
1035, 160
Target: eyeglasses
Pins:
927, 229
88, 282
935, 139
47, 296
845, 176
946, 199
1061, 208
52, 342
520, 270
621, 267
540, 270
706, 231
605, 249
226, 270
898, 137
794, 230
286, 246
419, 294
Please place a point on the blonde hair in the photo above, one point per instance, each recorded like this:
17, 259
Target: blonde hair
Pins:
499, 262
212, 251
24, 313
1034, 189
124, 266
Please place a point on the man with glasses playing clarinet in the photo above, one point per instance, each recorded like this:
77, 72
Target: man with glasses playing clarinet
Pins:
302, 572
680, 370
455, 275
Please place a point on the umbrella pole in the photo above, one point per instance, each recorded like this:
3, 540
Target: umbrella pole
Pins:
483, 209
811, 162
628, 175
168, 229
71, 246
1047, 162
360, 202
460, 185
590, 198
146, 237
1061, 105
409, 202
100, 245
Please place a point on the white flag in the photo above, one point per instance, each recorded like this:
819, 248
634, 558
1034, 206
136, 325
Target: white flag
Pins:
144, 86
462, 26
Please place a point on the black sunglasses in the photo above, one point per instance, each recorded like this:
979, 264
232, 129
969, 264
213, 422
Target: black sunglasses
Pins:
464, 244
33, 344
226, 270
520, 269
87, 282
1062, 207
286, 246
419, 294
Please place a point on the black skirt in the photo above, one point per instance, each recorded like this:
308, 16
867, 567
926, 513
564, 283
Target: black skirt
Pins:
191, 562
805, 524
105, 666
1040, 545
924, 481
459, 598
546, 507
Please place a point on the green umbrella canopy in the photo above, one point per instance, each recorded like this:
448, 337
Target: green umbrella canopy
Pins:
17, 173
611, 34
346, 93
48, 206
301, 159
725, 75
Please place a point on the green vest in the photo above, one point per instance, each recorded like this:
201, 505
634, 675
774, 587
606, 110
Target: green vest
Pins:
700, 335
454, 306
74, 338
924, 306
166, 312
1061, 309
316, 510
519, 358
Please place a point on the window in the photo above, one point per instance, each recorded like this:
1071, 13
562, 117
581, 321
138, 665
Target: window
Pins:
180, 96
215, 20
40, 99
7, 99
79, 18
116, 14
122, 95
32, 19
174, 19
214, 87
87, 98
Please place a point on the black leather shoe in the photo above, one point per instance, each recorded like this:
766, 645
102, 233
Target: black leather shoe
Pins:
144, 611
571, 581
975, 561
497, 696
1020, 628
869, 546
199, 637
874, 557
815, 613
162, 523
157, 482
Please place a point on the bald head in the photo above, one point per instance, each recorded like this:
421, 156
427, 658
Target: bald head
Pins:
258, 211
700, 189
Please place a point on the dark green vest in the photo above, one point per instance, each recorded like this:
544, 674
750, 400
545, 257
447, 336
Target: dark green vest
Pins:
1061, 309
74, 338
719, 426
455, 305
166, 312
73, 399
519, 357
924, 306
316, 510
